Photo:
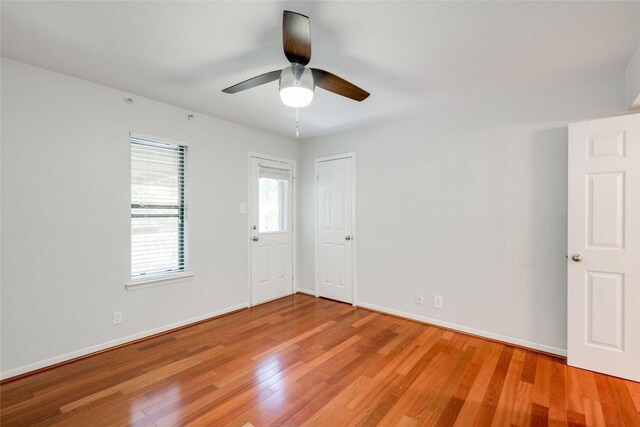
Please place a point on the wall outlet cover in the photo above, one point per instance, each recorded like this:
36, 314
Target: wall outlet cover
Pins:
117, 317
438, 301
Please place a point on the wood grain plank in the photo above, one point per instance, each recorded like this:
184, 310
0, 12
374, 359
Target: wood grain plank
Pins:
510, 389
624, 402
557, 398
542, 385
607, 400
539, 415
593, 413
474, 400
494, 389
522, 404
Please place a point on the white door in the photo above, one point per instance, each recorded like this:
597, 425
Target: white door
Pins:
271, 230
604, 246
335, 229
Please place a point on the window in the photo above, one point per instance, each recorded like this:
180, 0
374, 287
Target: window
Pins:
158, 206
273, 194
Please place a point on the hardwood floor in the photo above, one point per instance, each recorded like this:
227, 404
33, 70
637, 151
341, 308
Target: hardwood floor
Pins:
307, 361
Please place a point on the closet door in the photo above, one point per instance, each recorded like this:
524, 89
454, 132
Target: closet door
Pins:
335, 229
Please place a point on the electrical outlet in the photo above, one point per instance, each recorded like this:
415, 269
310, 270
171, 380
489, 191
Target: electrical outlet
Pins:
420, 299
438, 302
117, 317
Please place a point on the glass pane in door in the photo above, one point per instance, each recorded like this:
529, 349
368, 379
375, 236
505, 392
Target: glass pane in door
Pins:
273, 202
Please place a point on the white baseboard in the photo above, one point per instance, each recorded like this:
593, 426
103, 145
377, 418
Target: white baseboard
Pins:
523, 343
113, 343
306, 292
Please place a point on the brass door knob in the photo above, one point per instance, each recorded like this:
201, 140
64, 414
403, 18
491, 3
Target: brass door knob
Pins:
576, 257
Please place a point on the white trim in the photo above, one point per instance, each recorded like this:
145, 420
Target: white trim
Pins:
105, 345
167, 279
249, 221
478, 332
354, 233
271, 158
294, 221
354, 228
153, 138
305, 291
335, 157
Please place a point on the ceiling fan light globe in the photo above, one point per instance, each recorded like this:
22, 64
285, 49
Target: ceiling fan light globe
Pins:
296, 86
296, 97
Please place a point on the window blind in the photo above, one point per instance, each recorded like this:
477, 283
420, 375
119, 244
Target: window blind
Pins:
158, 208
274, 173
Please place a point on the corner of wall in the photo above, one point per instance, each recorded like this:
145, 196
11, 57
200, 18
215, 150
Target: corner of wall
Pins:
632, 81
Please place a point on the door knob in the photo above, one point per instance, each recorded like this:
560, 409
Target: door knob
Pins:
255, 238
347, 237
576, 257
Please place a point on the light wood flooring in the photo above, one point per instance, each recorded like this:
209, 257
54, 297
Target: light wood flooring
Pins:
307, 361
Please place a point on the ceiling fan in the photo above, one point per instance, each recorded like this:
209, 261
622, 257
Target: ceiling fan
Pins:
297, 82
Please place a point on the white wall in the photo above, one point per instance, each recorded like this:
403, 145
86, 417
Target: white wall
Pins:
633, 80
471, 206
65, 216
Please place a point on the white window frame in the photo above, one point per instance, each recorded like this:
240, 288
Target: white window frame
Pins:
171, 277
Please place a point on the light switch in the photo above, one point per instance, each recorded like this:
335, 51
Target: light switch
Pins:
243, 208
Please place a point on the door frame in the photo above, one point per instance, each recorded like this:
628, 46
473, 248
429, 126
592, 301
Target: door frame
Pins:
354, 233
294, 220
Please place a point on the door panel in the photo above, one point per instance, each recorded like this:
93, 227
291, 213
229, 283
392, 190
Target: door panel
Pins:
606, 145
335, 247
262, 260
605, 210
604, 309
604, 246
272, 234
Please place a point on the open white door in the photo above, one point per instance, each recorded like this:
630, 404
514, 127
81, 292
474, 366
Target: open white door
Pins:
334, 233
604, 246
271, 230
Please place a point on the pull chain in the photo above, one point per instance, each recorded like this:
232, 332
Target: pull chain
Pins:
297, 125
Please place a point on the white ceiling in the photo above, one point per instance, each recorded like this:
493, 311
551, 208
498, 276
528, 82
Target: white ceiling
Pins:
411, 56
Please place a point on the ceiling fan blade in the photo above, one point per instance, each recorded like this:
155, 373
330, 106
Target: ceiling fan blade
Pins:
335, 84
296, 37
254, 81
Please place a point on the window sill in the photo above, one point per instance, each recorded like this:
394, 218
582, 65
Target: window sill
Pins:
134, 285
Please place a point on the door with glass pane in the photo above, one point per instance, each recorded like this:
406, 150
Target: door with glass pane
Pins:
271, 230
